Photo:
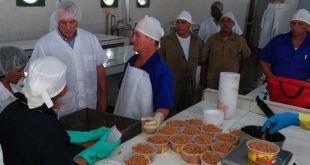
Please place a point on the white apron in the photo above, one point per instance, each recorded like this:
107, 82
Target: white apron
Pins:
135, 98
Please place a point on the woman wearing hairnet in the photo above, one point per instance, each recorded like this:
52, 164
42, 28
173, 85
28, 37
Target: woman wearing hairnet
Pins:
30, 132
12, 63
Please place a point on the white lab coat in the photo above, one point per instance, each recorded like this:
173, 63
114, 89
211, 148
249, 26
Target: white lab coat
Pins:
53, 24
275, 21
135, 98
82, 62
6, 97
208, 27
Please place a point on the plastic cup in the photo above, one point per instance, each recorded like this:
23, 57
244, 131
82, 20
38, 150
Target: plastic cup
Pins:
160, 142
177, 141
114, 135
269, 156
191, 153
133, 160
226, 138
213, 116
211, 158
150, 155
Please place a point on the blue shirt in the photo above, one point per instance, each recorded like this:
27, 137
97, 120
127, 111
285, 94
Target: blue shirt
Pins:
284, 60
161, 80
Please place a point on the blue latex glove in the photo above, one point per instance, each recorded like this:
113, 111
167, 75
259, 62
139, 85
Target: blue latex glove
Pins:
79, 137
280, 121
98, 151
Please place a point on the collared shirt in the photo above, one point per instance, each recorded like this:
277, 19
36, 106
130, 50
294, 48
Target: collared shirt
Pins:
68, 41
284, 60
161, 80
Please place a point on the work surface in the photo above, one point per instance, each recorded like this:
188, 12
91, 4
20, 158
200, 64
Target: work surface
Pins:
297, 139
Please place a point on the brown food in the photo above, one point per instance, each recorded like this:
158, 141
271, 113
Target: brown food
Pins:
193, 149
236, 132
157, 139
211, 157
143, 149
180, 139
222, 147
204, 139
137, 160
195, 122
211, 128
263, 147
225, 137
167, 131
191, 131
176, 123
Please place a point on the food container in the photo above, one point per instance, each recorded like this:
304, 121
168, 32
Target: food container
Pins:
254, 132
160, 142
177, 141
236, 132
262, 152
179, 124
167, 131
191, 131
138, 160
226, 138
194, 123
204, 140
224, 148
191, 153
211, 129
211, 158
144, 149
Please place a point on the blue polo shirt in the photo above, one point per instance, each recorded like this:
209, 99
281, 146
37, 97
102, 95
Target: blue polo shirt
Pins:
161, 80
284, 60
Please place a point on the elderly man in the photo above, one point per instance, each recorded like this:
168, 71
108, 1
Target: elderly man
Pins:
182, 53
12, 64
211, 25
287, 54
146, 88
82, 53
226, 51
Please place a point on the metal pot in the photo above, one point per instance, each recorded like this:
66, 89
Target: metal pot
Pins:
254, 132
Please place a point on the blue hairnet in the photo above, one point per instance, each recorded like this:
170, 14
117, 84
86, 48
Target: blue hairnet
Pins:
68, 9
11, 58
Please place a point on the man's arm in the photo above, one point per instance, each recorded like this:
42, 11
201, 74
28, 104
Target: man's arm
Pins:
266, 68
102, 87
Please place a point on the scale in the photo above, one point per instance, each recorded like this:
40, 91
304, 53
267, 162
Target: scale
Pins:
239, 156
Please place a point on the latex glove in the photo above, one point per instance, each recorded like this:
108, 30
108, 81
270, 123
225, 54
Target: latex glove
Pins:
150, 124
280, 121
98, 151
79, 137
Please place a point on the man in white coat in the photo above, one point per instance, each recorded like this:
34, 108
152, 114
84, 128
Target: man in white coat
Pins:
81, 52
211, 25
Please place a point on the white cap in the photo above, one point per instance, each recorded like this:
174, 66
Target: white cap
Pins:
230, 15
185, 15
67, 10
46, 79
302, 15
151, 27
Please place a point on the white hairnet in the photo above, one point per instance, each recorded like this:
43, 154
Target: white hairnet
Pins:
46, 79
67, 10
151, 27
230, 15
302, 15
218, 5
11, 58
185, 15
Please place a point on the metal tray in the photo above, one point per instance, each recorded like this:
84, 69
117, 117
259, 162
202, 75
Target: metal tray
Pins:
239, 156
88, 119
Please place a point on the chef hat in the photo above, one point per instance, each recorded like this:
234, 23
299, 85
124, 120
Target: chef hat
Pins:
46, 79
11, 58
302, 15
68, 10
218, 5
185, 15
230, 15
151, 27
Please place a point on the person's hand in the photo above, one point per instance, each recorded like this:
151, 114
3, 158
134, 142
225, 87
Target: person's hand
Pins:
98, 151
102, 104
280, 121
79, 137
150, 124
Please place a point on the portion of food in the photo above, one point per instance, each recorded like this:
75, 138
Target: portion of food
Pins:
194, 122
226, 138
224, 148
211, 129
263, 147
176, 123
211, 158
191, 131
191, 153
236, 132
157, 139
262, 152
204, 139
168, 131
143, 148
176, 142
137, 160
